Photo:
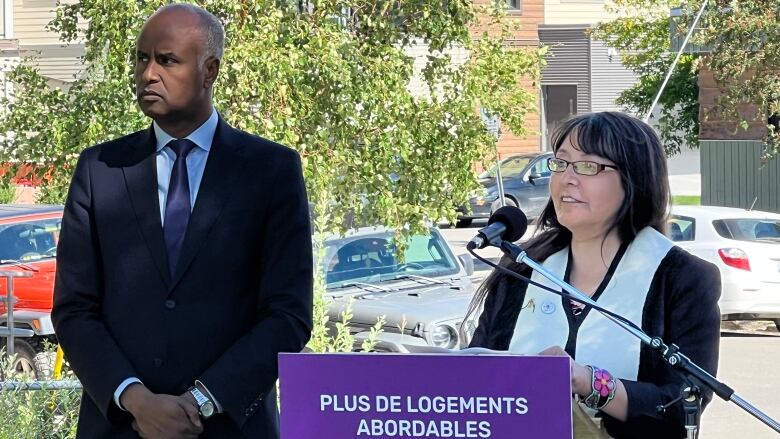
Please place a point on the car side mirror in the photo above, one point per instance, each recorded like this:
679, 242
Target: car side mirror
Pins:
534, 176
468, 263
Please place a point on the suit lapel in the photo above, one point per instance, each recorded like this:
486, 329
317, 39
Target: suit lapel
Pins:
141, 180
222, 167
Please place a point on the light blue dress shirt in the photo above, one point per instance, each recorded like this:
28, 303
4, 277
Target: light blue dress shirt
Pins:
203, 137
196, 159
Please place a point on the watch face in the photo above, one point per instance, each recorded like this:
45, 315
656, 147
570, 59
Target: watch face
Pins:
207, 409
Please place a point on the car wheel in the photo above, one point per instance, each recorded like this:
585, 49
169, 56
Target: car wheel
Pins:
507, 202
45, 355
463, 222
24, 361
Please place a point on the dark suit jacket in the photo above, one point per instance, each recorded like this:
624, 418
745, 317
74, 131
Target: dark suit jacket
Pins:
242, 291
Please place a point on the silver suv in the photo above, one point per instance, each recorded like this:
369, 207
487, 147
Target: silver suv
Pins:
423, 296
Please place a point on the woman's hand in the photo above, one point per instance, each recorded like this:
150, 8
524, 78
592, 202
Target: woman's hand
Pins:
581, 377
581, 384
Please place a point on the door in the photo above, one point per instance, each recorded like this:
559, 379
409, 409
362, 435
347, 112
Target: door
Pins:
560, 103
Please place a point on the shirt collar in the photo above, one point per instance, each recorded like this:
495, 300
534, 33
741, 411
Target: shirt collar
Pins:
203, 136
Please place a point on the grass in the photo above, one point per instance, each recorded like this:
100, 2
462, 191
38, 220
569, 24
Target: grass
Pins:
686, 200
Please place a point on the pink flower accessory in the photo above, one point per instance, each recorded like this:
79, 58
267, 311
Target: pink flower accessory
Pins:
603, 388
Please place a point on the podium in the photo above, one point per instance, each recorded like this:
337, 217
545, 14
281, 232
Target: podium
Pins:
585, 426
359, 395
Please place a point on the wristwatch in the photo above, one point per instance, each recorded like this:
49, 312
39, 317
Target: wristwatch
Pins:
205, 405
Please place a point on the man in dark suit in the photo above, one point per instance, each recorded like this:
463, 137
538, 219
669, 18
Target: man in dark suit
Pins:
184, 264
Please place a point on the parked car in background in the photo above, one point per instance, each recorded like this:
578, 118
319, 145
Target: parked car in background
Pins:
28, 243
526, 181
423, 296
745, 245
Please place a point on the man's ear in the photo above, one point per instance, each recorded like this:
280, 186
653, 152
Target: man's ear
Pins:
212, 71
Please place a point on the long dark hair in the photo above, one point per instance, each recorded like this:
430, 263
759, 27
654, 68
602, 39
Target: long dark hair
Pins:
637, 152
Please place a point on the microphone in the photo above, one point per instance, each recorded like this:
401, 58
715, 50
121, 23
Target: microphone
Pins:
507, 223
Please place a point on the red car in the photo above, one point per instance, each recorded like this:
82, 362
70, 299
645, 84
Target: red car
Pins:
28, 243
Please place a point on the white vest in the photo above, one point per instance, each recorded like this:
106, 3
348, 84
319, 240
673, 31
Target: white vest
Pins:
542, 321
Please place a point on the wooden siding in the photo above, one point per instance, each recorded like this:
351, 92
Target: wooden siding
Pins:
31, 18
509, 144
732, 175
529, 16
54, 59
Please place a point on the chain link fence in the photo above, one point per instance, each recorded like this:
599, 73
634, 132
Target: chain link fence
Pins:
37, 409
33, 403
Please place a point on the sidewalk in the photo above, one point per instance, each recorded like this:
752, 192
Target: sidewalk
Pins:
685, 184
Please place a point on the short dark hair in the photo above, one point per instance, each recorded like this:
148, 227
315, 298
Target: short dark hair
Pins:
213, 31
636, 150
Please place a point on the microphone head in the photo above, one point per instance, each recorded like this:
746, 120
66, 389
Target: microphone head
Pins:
513, 219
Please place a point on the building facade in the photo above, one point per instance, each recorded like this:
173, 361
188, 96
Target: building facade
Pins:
25, 35
582, 74
529, 15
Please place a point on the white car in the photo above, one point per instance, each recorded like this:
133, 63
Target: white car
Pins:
745, 245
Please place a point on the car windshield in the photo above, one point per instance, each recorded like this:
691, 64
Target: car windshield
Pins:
510, 168
749, 229
29, 241
372, 258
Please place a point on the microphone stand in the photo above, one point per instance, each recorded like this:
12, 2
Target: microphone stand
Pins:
690, 395
692, 408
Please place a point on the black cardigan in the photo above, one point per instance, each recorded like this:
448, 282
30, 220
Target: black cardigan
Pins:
681, 307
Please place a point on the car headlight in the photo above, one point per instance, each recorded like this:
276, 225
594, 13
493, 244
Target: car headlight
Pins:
444, 336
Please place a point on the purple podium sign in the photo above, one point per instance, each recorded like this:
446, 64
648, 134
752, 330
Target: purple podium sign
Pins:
343, 396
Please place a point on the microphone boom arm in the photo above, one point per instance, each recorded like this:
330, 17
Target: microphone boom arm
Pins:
670, 354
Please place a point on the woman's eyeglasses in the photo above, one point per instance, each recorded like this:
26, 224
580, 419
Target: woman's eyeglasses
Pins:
580, 167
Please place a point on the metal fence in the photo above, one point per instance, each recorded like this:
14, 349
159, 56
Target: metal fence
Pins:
33, 409
732, 175
39, 409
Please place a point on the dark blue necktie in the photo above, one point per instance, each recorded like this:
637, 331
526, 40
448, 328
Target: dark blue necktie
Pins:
177, 205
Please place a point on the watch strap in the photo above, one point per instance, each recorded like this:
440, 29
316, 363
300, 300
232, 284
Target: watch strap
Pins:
201, 400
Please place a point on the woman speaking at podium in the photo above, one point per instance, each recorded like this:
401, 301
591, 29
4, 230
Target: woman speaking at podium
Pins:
602, 232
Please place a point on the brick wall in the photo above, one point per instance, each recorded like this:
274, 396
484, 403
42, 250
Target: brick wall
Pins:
529, 17
715, 127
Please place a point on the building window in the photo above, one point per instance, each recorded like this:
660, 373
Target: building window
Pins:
513, 4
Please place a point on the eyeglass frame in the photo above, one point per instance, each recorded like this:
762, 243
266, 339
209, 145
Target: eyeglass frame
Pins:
601, 167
